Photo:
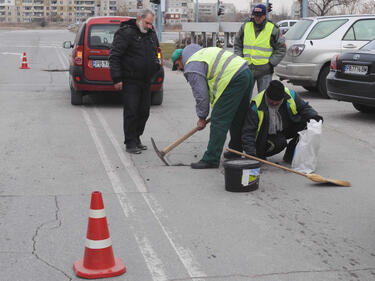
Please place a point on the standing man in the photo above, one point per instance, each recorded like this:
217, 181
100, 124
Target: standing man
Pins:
133, 61
275, 115
260, 42
222, 79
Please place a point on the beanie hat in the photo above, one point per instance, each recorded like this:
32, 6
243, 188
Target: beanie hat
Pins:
275, 90
260, 9
176, 54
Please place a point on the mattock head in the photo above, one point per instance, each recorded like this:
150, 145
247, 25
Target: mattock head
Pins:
161, 154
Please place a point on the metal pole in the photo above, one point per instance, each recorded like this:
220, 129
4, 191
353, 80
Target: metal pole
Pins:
305, 8
267, 8
196, 11
160, 26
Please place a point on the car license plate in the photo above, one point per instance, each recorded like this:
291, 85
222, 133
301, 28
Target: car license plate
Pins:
356, 69
100, 63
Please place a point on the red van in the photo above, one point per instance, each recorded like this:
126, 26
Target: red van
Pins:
89, 65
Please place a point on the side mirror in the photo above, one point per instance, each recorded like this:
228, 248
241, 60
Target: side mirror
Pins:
67, 45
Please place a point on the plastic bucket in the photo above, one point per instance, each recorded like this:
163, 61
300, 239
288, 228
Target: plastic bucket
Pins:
241, 175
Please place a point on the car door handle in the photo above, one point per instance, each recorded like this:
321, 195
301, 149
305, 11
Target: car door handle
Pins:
350, 46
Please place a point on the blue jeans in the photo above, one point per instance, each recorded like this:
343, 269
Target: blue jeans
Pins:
263, 82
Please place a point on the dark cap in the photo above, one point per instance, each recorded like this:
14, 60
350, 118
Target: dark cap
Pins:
275, 90
259, 10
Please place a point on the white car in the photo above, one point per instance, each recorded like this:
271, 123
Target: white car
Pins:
284, 25
313, 41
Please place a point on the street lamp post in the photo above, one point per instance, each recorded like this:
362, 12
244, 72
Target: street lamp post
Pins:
196, 11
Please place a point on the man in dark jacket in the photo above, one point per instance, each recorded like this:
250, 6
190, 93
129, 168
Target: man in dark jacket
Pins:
133, 62
275, 115
261, 43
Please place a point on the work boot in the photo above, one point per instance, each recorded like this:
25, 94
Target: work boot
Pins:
201, 164
133, 150
140, 145
231, 155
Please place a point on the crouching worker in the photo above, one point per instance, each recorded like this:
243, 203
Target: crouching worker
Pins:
275, 115
222, 79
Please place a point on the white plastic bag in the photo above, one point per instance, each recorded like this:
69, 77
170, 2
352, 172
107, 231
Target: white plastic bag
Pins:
306, 153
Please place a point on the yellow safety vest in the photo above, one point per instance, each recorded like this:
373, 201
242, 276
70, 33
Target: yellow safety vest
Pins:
222, 65
290, 103
257, 50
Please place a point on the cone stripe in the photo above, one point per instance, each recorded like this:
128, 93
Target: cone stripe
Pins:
98, 244
97, 214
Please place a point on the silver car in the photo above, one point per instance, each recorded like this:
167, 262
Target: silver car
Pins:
312, 42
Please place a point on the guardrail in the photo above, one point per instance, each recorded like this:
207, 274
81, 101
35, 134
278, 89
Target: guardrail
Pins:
204, 30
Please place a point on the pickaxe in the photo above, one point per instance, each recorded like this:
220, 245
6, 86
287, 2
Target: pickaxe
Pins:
162, 153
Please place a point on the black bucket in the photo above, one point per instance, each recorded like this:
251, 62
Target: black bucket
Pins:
241, 175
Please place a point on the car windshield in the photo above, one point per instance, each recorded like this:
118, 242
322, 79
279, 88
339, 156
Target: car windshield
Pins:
324, 28
297, 31
101, 35
369, 47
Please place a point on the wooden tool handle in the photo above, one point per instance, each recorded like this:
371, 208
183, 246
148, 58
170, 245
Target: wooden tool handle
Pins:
187, 135
266, 162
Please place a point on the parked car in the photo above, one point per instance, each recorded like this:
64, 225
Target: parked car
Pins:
89, 65
312, 42
352, 78
285, 25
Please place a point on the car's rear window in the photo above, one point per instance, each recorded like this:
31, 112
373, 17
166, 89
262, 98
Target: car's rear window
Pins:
297, 31
324, 28
369, 47
101, 35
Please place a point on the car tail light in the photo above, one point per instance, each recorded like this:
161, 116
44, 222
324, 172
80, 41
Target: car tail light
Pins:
296, 50
160, 56
78, 55
333, 65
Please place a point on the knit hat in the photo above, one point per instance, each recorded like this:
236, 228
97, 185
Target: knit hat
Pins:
259, 10
176, 54
275, 90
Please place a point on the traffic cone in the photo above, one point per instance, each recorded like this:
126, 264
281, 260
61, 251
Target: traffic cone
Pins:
98, 261
24, 62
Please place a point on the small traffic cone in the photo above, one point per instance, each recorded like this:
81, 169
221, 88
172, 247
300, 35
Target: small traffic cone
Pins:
24, 62
98, 261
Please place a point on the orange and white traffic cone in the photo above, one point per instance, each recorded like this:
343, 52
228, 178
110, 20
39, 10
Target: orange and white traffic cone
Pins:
98, 261
24, 62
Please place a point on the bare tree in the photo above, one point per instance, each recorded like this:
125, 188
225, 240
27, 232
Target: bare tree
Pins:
324, 7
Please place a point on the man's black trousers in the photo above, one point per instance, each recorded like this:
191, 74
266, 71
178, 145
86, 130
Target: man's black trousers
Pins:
137, 102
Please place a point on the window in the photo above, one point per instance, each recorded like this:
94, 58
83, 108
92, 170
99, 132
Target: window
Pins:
298, 30
102, 35
284, 24
362, 30
292, 23
325, 28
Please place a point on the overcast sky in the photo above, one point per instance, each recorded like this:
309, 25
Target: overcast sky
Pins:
244, 4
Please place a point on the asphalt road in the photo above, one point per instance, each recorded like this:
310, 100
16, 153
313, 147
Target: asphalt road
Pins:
167, 223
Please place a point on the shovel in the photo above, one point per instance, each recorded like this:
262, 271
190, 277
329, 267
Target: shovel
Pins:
313, 177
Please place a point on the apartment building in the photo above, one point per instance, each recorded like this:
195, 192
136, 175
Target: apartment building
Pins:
55, 10
186, 9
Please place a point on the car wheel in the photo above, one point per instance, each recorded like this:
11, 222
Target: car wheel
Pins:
310, 88
75, 97
364, 108
322, 82
157, 97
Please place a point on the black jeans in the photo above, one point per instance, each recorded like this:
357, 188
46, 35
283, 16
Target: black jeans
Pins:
137, 102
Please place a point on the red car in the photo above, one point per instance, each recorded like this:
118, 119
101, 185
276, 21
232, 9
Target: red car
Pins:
89, 65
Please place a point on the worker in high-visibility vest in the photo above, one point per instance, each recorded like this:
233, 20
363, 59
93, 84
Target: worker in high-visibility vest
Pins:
275, 115
222, 79
261, 43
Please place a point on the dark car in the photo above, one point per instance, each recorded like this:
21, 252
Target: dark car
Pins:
352, 78
89, 65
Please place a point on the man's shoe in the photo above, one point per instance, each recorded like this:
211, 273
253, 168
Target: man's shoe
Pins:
231, 155
141, 146
201, 164
133, 150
